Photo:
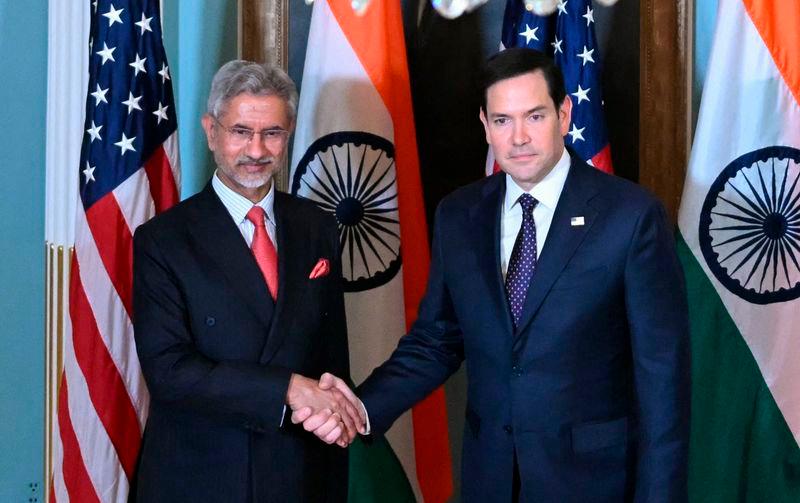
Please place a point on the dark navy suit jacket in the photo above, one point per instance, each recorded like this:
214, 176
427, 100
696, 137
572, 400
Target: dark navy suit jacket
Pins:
592, 390
217, 353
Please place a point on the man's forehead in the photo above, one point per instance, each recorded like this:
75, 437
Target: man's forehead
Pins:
247, 103
518, 93
523, 92
533, 80
250, 98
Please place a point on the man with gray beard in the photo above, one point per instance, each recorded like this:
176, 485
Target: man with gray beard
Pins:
238, 310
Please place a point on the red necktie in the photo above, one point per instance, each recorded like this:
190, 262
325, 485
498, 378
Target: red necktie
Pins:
264, 250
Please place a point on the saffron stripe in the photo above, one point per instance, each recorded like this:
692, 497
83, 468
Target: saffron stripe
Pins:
777, 24
115, 245
162, 183
76, 478
106, 389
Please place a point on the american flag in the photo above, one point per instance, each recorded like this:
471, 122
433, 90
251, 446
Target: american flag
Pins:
128, 172
568, 35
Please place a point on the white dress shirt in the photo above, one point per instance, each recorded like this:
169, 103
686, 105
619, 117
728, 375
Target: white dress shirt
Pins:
238, 206
547, 192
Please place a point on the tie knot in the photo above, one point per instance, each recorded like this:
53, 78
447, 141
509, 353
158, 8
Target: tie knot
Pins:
256, 215
528, 203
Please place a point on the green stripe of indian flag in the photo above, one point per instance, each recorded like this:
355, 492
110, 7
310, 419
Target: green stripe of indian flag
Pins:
375, 474
741, 447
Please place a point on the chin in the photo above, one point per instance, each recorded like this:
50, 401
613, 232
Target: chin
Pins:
249, 180
254, 182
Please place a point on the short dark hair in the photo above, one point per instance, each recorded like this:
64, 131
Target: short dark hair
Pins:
517, 61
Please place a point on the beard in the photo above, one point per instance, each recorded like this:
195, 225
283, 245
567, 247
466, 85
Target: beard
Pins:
248, 180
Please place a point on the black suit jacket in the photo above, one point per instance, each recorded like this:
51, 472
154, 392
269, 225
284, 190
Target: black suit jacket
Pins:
217, 353
591, 391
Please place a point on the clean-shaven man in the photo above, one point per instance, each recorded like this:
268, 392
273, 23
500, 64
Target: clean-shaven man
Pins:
559, 287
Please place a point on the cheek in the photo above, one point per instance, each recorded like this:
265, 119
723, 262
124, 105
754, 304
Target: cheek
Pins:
278, 151
229, 152
497, 137
225, 156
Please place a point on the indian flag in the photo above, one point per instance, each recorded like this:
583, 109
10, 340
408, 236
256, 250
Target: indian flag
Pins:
740, 227
355, 154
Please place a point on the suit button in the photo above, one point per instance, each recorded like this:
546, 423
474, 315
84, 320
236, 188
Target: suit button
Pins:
211, 321
508, 429
516, 371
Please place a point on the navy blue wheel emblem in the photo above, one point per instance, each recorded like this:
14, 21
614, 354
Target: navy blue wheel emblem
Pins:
352, 175
750, 226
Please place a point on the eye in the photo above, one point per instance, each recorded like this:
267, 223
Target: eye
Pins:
535, 117
241, 133
500, 121
272, 134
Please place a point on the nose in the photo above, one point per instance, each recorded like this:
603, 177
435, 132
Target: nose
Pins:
256, 147
520, 135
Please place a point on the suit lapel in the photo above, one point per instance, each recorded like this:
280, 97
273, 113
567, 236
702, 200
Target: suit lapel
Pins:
293, 247
220, 238
563, 238
485, 217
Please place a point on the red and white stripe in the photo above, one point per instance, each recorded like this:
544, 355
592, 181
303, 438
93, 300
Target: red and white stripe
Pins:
103, 400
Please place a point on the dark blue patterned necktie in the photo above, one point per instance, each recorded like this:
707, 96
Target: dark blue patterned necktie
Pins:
522, 263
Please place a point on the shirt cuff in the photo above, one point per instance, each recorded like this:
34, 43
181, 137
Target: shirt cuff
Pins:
368, 428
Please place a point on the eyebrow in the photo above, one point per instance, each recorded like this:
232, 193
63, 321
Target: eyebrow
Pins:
540, 108
270, 128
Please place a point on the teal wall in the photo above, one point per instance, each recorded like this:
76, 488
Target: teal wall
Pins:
206, 38
23, 62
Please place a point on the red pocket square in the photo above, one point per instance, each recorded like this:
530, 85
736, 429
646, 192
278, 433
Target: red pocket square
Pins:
322, 268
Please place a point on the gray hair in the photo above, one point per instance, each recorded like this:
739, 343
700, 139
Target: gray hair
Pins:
239, 76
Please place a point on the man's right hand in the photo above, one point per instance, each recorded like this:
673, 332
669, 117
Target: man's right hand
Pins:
330, 414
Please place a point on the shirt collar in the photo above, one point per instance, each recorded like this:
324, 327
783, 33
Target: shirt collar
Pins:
547, 191
238, 205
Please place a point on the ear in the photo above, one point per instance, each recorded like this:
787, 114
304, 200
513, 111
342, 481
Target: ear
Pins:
485, 122
208, 126
565, 115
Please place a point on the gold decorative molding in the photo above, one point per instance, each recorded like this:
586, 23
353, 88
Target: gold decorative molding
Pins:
57, 271
665, 103
264, 30
264, 37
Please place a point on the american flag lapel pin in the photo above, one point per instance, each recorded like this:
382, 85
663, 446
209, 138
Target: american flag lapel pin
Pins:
576, 221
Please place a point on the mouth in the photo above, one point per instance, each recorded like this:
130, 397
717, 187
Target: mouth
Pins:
521, 156
254, 167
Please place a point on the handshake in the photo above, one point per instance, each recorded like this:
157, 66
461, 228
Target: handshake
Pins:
328, 408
